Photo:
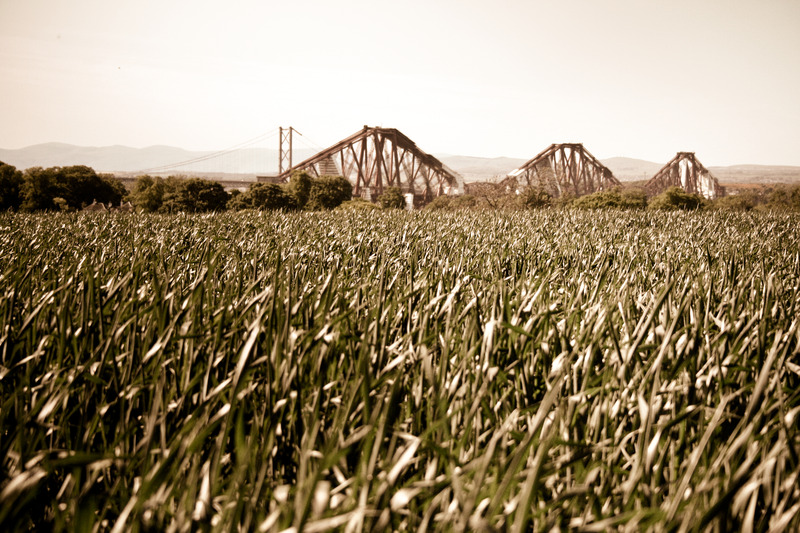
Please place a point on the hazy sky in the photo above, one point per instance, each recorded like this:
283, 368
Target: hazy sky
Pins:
486, 78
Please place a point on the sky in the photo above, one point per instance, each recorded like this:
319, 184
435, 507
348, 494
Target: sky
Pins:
484, 78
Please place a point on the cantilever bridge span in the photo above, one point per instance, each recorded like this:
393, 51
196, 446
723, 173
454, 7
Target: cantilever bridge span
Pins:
685, 171
376, 158
564, 169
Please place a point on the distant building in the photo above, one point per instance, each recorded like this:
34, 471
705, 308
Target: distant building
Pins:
95, 207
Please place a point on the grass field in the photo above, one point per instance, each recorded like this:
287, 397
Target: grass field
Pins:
364, 371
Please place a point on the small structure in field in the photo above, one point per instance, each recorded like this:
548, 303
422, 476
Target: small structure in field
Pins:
95, 207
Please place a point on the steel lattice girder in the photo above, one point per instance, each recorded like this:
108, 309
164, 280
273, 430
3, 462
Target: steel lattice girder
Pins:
376, 158
565, 169
685, 171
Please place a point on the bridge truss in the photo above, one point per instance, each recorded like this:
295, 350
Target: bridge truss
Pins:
376, 158
565, 169
685, 171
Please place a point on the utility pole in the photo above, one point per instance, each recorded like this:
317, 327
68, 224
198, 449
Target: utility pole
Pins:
285, 135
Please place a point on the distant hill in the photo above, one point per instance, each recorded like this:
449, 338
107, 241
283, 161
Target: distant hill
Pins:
252, 161
152, 159
494, 169
629, 169
481, 168
762, 174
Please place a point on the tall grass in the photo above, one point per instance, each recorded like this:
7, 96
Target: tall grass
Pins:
362, 371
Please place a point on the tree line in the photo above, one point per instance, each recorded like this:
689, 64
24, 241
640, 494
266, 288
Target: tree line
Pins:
73, 188
194, 195
56, 188
773, 198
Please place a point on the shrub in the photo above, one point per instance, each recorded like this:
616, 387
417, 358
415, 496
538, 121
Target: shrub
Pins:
784, 198
77, 186
270, 196
148, 193
359, 204
565, 200
633, 198
740, 202
328, 192
676, 198
237, 200
198, 195
453, 203
10, 187
535, 197
392, 198
299, 186
617, 198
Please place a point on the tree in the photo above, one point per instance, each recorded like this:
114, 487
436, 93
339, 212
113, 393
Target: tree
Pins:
170, 200
115, 189
616, 198
148, 193
676, 198
76, 186
453, 203
81, 186
10, 187
392, 198
784, 198
196, 195
299, 186
634, 198
744, 201
39, 188
357, 204
328, 192
535, 197
238, 200
270, 196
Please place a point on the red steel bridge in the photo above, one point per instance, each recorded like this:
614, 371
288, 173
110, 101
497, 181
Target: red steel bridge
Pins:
685, 171
373, 159
564, 169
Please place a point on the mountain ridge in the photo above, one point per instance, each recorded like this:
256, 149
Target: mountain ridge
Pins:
250, 162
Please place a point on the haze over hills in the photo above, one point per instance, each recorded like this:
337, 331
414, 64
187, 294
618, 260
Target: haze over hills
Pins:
249, 162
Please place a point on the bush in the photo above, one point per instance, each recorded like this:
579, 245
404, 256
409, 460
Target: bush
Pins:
270, 196
39, 188
328, 192
453, 203
633, 198
170, 201
565, 200
535, 197
676, 198
237, 200
148, 193
358, 204
439, 203
299, 187
77, 186
392, 198
741, 202
196, 195
10, 187
616, 198
784, 198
